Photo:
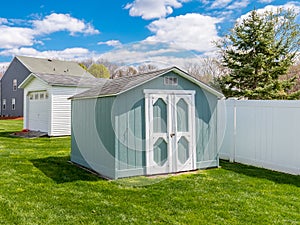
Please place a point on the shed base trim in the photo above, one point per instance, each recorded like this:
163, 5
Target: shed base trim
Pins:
96, 168
131, 172
207, 164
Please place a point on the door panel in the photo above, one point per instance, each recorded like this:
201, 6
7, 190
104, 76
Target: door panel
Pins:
170, 132
159, 116
182, 116
185, 116
158, 134
160, 152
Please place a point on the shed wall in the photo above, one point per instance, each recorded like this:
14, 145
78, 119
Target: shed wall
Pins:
129, 112
93, 138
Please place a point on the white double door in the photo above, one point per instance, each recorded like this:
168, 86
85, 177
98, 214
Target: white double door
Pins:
170, 131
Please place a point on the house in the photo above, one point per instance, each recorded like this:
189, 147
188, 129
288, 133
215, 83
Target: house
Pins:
154, 123
19, 69
46, 104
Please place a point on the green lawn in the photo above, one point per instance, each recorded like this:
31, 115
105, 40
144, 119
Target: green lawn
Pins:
39, 186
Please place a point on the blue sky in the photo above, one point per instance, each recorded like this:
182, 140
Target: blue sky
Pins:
124, 31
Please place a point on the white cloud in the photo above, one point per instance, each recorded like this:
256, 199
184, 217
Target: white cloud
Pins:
176, 41
239, 4
66, 54
151, 9
62, 22
272, 8
191, 32
220, 3
13, 35
162, 57
3, 21
266, 1
114, 43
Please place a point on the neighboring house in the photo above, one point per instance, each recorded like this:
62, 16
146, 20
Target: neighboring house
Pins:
19, 69
159, 122
46, 104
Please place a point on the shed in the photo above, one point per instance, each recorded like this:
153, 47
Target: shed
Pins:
46, 104
154, 123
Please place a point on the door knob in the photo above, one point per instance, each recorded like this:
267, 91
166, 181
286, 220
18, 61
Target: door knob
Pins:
172, 135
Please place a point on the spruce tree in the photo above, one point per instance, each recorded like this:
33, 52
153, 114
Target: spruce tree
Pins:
257, 51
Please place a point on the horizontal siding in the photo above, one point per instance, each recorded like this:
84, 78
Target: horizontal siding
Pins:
16, 70
61, 110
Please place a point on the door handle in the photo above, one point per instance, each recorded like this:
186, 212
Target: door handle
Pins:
172, 135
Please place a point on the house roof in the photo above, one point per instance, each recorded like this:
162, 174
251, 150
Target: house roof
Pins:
64, 80
52, 66
123, 84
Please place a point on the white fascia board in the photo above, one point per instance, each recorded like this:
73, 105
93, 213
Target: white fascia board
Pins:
29, 79
199, 83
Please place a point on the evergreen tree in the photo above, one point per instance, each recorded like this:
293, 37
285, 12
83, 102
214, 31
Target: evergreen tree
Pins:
257, 51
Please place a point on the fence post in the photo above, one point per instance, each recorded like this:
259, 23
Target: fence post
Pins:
232, 152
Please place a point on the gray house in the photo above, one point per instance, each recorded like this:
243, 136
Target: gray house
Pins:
19, 69
155, 123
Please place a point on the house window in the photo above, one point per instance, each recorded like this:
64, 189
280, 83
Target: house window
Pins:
3, 104
13, 104
30, 96
42, 95
170, 81
46, 95
36, 96
15, 84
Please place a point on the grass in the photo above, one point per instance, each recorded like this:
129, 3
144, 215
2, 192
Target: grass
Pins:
39, 186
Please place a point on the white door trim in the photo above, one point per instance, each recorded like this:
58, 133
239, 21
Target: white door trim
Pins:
156, 91
170, 95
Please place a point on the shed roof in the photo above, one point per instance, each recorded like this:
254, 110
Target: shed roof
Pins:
52, 66
64, 80
123, 84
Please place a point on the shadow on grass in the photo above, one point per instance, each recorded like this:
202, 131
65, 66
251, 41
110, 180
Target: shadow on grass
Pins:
251, 171
7, 134
60, 170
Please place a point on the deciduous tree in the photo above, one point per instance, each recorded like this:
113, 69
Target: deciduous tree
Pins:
99, 71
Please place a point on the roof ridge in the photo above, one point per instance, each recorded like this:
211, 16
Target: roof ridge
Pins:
146, 73
46, 59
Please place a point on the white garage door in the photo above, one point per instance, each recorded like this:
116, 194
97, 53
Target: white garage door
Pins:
38, 111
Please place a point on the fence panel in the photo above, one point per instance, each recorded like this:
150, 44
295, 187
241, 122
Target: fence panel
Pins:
262, 133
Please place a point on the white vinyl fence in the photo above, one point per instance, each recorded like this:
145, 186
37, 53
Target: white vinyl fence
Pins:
261, 133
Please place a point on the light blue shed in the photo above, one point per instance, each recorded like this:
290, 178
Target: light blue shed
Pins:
154, 123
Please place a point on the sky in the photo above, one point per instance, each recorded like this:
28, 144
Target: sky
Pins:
129, 32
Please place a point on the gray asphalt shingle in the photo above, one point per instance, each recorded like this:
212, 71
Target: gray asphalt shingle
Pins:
52, 66
69, 80
121, 84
